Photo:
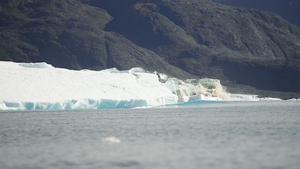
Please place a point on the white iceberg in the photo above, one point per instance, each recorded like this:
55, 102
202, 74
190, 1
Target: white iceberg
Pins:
40, 86
111, 140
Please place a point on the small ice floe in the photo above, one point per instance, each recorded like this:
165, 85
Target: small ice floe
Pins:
111, 140
270, 99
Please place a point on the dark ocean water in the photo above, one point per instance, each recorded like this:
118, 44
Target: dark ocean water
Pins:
241, 135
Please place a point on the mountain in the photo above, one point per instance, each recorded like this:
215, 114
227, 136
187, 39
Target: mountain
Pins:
288, 9
69, 34
185, 39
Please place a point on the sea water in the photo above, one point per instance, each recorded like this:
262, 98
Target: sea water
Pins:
235, 135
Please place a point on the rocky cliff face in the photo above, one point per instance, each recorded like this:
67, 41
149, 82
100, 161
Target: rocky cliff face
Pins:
195, 38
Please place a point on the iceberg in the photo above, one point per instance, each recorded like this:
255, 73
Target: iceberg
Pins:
40, 86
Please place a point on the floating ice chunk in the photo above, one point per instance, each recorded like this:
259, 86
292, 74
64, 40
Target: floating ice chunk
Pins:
269, 99
245, 97
111, 140
294, 99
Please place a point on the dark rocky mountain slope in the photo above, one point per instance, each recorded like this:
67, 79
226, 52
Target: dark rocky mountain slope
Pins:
195, 38
288, 9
